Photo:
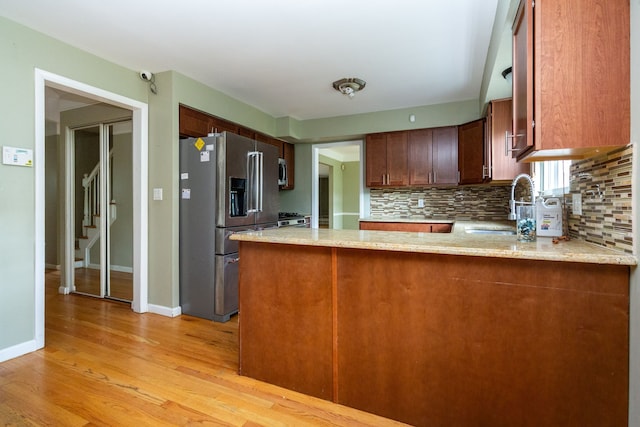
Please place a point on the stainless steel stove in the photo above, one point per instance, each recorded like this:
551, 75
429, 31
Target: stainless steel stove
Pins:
293, 219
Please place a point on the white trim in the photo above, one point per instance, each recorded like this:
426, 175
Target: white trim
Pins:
18, 350
140, 183
39, 207
69, 215
119, 268
315, 155
165, 311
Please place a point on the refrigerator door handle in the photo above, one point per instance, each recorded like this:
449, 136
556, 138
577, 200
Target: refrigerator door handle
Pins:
260, 179
254, 172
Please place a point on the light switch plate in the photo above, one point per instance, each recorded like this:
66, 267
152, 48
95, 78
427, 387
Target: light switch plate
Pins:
157, 194
576, 202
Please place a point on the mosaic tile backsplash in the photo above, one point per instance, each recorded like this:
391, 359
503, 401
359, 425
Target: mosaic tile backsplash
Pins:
605, 220
605, 185
481, 202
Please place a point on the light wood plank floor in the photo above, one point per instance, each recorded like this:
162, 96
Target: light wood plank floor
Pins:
105, 365
87, 280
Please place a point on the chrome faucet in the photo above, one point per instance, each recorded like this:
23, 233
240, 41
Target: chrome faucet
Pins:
512, 202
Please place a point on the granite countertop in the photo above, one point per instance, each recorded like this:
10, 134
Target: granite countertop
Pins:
458, 242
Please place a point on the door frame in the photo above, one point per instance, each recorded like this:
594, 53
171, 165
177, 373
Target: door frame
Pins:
315, 159
140, 119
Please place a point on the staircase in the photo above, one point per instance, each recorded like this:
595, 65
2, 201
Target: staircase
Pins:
90, 237
91, 219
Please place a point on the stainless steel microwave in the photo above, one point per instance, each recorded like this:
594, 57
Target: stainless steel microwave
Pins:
283, 177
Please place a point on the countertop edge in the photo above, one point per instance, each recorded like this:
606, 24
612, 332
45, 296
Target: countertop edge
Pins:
573, 251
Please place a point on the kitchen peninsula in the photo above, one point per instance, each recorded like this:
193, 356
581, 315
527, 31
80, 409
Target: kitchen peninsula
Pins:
439, 328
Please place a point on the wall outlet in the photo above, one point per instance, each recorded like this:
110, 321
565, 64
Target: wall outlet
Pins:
576, 202
421, 203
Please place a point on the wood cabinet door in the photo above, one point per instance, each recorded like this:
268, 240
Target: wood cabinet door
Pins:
419, 160
445, 155
193, 123
397, 159
289, 156
581, 74
243, 131
217, 125
471, 152
376, 158
522, 75
503, 165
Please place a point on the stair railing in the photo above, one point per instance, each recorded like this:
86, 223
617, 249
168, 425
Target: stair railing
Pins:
91, 185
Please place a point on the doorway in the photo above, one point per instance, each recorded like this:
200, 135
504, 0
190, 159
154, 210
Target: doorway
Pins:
101, 173
338, 186
139, 183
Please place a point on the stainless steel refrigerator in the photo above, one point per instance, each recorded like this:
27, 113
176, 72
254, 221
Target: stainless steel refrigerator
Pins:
228, 183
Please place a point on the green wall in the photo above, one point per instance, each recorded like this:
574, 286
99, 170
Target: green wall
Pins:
22, 50
351, 195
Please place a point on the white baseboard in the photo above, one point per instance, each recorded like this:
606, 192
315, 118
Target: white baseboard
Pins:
18, 350
165, 311
52, 266
113, 268
122, 269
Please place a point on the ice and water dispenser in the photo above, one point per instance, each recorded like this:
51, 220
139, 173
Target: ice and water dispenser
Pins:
237, 197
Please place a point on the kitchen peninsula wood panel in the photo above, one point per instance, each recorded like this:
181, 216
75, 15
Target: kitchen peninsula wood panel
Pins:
286, 335
432, 339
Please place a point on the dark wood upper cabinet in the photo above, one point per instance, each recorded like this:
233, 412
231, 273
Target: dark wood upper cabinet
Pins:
445, 155
502, 165
193, 123
386, 159
571, 78
471, 151
288, 153
420, 143
433, 156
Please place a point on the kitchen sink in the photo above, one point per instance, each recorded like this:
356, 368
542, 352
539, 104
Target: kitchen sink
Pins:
498, 231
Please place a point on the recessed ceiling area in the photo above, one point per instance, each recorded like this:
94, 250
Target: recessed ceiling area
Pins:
281, 56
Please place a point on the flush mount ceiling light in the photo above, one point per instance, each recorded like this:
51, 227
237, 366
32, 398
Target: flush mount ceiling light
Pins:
349, 86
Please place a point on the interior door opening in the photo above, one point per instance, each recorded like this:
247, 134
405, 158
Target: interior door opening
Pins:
102, 210
338, 196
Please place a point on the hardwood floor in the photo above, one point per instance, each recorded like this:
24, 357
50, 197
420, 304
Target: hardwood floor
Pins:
87, 280
106, 365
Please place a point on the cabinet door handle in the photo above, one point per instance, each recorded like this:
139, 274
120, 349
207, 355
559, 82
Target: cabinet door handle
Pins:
485, 171
507, 137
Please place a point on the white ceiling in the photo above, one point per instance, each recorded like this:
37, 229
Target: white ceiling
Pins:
281, 56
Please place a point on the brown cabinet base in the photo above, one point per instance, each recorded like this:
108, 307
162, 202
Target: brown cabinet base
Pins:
438, 339
423, 227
